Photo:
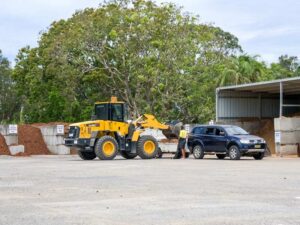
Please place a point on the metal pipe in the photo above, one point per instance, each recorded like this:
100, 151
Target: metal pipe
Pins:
217, 102
296, 105
281, 99
259, 105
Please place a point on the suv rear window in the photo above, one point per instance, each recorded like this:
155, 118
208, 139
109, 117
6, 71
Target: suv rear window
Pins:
209, 131
220, 132
198, 130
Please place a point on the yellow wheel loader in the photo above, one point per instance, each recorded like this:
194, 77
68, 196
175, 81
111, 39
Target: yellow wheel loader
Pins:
111, 132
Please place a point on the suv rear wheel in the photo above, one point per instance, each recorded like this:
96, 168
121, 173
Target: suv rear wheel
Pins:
234, 153
198, 152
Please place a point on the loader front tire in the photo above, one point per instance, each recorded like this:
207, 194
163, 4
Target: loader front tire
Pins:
86, 155
106, 148
147, 147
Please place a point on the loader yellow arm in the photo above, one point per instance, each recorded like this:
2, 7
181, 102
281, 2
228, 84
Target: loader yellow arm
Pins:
149, 121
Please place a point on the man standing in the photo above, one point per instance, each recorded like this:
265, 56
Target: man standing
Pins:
181, 144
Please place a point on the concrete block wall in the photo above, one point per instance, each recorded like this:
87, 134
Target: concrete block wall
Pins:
54, 141
289, 129
11, 139
15, 149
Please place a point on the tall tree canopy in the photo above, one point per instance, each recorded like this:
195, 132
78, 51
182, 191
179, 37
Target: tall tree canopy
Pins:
152, 56
155, 57
9, 103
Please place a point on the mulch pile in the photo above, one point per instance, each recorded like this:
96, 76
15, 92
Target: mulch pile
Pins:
32, 139
3, 146
267, 133
296, 115
169, 140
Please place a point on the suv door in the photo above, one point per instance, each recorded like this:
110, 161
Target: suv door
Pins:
220, 140
195, 135
208, 139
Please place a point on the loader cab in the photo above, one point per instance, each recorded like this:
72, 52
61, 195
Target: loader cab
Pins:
112, 111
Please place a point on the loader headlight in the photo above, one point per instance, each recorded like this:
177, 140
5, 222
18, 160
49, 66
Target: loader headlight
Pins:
75, 142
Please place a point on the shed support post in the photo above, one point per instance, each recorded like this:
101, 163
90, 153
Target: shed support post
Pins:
281, 99
217, 102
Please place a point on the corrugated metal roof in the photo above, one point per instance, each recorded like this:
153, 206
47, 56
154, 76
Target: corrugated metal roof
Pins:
291, 86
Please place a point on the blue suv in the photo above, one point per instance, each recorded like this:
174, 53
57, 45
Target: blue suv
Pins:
225, 140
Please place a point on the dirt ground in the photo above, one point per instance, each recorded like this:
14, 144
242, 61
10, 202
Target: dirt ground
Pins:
66, 190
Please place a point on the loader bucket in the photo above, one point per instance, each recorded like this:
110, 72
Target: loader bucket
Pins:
173, 131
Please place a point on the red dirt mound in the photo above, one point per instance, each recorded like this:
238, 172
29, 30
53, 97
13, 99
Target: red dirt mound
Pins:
73, 151
3, 146
32, 139
267, 133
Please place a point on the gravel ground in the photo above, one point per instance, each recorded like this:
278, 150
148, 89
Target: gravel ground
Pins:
67, 190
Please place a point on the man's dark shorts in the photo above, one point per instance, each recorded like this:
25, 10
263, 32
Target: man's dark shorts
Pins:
181, 143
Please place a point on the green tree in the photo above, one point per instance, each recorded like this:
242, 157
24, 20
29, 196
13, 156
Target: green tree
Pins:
156, 58
241, 69
9, 103
287, 66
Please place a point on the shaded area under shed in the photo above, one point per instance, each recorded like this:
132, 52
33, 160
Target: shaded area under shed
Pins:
257, 104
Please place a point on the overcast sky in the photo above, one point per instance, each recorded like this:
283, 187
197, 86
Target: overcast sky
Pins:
268, 28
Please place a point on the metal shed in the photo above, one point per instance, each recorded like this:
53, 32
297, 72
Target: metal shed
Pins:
268, 109
269, 99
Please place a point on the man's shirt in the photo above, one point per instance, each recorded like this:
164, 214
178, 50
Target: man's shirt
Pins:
183, 134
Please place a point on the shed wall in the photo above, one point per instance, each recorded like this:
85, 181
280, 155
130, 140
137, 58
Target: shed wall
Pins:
239, 105
246, 105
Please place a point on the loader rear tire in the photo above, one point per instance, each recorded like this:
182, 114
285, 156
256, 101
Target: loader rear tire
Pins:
86, 155
106, 148
147, 147
128, 155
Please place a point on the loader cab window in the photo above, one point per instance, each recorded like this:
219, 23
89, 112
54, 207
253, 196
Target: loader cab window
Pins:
117, 113
126, 113
101, 112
